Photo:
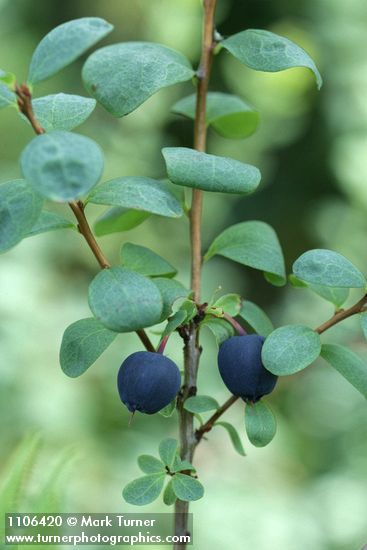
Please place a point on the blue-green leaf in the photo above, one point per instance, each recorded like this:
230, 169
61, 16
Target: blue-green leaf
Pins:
229, 303
123, 300
233, 434
348, 364
229, 115
144, 490
290, 349
182, 465
20, 207
253, 244
7, 97
256, 318
49, 221
169, 496
62, 166
168, 451
62, 111
170, 291
328, 268
186, 487
265, 51
64, 44
192, 168
122, 76
200, 404
150, 464
260, 424
363, 318
174, 322
145, 261
220, 328
139, 193
118, 219
83, 342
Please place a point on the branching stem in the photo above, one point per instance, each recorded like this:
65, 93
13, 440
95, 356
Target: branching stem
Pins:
25, 107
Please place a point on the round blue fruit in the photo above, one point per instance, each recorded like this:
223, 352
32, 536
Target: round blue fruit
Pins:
148, 381
241, 368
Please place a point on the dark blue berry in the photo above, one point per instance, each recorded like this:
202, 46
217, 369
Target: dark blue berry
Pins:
148, 381
241, 368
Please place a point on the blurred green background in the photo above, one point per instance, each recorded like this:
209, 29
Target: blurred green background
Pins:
308, 489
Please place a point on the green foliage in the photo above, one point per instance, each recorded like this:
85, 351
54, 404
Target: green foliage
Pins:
186, 487
253, 244
200, 404
363, 319
328, 268
49, 221
260, 423
169, 496
168, 451
82, 343
168, 410
171, 291
123, 300
138, 193
256, 318
229, 303
290, 349
265, 51
145, 261
7, 78
181, 465
118, 219
144, 490
7, 97
64, 44
122, 76
233, 434
192, 168
220, 328
336, 296
20, 207
174, 322
227, 114
62, 166
150, 464
348, 364
62, 111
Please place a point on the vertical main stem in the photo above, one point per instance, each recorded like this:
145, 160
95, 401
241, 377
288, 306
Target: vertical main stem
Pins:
192, 349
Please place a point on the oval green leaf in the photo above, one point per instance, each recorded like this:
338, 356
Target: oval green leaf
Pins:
363, 319
139, 193
170, 291
122, 76
233, 434
168, 451
256, 318
62, 166
118, 219
260, 424
150, 464
144, 490
328, 268
168, 410
229, 303
20, 207
228, 115
220, 328
49, 221
82, 343
265, 51
186, 487
290, 349
192, 168
200, 404
62, 111
145, 261
7, 97
348, 364
169, 496
64, 44
123, 300
254, 244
